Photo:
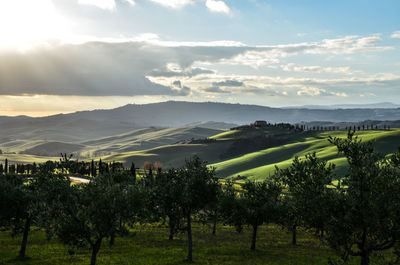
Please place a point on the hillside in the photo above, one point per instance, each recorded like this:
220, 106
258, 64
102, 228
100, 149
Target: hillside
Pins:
88, 125
279, 149
135, 140
261, 164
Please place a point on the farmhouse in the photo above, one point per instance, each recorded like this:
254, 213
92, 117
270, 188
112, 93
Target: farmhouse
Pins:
260, 124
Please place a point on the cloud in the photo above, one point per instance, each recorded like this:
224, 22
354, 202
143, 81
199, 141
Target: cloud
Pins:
253, 58
217, 6
92, 69
230, 83
103, 4
291, 67
149, 66
310, 91
395, 35
266, 55
174, 3
175, 71
180, 89
215, 89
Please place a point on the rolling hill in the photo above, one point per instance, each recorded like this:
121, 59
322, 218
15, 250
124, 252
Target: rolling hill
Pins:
135, 140
89, 125
261, 163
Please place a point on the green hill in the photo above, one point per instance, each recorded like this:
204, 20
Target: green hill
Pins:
246, 151
259, 164
136, 140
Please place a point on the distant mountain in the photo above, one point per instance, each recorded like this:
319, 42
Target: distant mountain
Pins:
89, 125
382, 105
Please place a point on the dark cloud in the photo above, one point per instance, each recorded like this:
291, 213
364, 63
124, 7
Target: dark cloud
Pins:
232, 83
99, 69
187, 73
215, 89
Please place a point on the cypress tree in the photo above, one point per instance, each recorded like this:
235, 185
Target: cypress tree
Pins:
93, 169
133, 171
101, 167
6, 166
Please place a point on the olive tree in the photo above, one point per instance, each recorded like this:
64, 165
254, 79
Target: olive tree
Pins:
16, 207
198, 188
366, 213
262, 203
307, 191
95, 211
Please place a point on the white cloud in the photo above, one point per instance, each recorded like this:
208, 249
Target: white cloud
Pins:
257, 56
130, 2
253, 59
342, 94
217, 6
310, 91
396, 35
103, 4
291, 67
315, 91
174, 3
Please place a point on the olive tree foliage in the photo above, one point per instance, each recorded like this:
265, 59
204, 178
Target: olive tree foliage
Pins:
91, 212
261, 201
307, 193
165, 195
198, 188
232, 207
16, 211
365, 216
22, 200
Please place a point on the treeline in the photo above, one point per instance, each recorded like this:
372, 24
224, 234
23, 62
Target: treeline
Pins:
65, 165
312, 127
357, 214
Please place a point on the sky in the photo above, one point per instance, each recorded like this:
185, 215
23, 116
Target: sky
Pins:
61, 56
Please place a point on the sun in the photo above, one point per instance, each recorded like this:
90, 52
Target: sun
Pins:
25, 23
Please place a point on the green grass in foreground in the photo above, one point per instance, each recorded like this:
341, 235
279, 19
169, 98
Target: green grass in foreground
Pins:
150, 245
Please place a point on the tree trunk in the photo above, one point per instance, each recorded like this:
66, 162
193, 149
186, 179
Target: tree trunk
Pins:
365, 257
25, 238
294, 235
171, 229
364, 250
189, 234
112, 239
214, 226
95, 250
254, 237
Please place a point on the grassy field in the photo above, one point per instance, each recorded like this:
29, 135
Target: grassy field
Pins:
140, 139
256, 165
150, 245
261, 164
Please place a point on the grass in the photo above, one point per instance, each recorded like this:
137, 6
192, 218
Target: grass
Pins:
149, 244
23, 158
261, 164
256, 165
141, 139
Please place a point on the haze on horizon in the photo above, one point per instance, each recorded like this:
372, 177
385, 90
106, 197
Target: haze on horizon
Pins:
68, 55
